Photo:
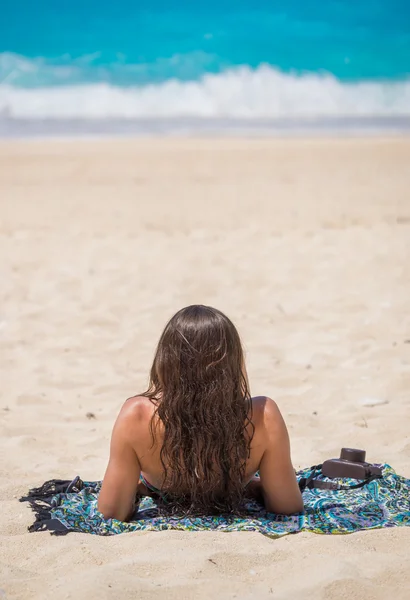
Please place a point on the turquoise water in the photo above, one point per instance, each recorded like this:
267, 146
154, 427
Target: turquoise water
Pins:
216, 61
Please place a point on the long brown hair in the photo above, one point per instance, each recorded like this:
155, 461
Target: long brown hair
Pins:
199, 387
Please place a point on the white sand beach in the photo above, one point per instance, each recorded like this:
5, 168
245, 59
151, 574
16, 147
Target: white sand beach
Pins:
305, 244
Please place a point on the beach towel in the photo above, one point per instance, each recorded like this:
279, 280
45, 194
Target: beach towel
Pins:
62, 507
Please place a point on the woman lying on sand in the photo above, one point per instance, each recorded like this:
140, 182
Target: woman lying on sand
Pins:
196, 437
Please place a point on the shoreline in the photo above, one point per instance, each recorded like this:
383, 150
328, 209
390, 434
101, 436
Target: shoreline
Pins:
207, 141
325, 127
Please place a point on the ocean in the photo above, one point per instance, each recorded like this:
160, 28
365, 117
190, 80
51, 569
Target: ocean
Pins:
129, 67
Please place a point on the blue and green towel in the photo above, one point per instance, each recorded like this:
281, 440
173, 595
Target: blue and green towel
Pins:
383, 502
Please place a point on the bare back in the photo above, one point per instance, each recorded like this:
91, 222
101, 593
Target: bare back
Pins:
133, 453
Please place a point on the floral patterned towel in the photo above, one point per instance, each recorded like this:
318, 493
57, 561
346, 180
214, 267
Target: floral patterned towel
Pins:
384, 502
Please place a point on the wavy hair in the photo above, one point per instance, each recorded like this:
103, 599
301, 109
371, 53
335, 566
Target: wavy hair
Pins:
199, 387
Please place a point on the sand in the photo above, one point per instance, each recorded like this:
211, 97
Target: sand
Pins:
304, 244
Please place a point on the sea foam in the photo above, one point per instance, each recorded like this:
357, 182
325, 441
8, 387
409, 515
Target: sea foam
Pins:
240, 93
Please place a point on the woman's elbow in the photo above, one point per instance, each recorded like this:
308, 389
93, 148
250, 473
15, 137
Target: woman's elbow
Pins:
295, 509
114, 512
288, 508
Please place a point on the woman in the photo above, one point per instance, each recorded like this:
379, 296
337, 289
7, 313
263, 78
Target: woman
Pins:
196, 436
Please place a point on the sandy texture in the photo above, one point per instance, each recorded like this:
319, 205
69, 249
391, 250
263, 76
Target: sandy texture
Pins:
305, 244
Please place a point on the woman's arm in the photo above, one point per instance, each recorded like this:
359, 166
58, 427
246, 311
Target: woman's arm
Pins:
280, 488
117, 496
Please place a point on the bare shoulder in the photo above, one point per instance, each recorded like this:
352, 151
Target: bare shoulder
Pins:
266, 414
138, 406
265, 408
135, 412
